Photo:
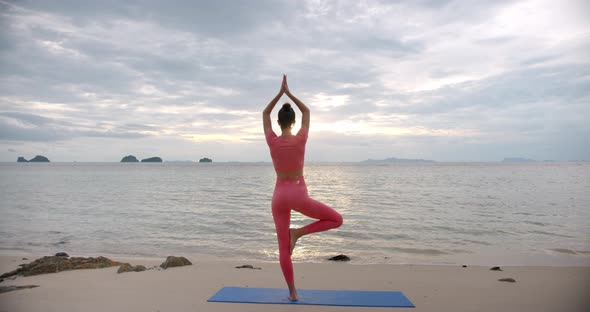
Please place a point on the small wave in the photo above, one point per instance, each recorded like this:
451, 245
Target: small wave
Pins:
535, 223
356, 235
474, 232
12, 248
551, 234
444, 228
477, 242
388, 236
420, 251
6, 235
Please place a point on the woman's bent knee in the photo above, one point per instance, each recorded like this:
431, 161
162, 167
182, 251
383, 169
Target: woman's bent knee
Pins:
338, 220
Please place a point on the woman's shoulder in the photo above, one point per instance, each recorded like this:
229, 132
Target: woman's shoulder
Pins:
303, 133
270, 136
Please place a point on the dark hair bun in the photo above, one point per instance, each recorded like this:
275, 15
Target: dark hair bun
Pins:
286, 116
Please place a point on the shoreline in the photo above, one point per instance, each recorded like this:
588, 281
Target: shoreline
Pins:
187, 288
487, 258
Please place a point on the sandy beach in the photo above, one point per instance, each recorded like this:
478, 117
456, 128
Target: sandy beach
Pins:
430, 288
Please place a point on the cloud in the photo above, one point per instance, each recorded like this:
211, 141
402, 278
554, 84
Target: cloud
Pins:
382, 78
26, 127
27, 118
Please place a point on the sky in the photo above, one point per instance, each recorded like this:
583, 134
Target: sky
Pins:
441, 80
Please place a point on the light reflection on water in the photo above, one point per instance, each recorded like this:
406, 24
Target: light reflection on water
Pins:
427, 213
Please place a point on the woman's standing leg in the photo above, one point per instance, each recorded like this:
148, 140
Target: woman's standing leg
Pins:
281, 214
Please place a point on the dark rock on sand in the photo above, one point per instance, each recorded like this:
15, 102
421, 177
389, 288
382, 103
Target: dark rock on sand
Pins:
4, 289
54, 264
464, 266
496, 269
340, 258
25, 259
508, 279
126, 267
61, 254
172, 261
248, 266
1, 280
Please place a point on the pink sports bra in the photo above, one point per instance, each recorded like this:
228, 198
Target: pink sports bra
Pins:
287, 153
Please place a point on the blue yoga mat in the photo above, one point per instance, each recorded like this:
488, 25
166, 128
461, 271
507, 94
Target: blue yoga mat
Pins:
355, 298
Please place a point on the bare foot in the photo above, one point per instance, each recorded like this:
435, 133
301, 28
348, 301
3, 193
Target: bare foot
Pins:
294, 237
294, 297
293, 293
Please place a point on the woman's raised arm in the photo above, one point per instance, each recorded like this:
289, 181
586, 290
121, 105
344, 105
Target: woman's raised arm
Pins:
266, 123
302, 107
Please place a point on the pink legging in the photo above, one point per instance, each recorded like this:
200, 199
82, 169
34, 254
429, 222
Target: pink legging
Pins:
291, 193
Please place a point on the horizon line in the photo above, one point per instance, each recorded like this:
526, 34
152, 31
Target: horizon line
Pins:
369, 161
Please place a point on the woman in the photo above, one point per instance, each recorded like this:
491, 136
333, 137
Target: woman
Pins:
287, 152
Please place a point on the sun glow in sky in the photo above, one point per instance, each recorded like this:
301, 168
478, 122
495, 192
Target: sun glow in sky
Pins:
443, 80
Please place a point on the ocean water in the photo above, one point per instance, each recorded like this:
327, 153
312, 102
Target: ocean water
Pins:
441, 213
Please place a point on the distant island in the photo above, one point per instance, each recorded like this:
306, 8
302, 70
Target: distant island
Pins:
129, 158
517, 160
205, 160
398, 160
152, 159
37, 158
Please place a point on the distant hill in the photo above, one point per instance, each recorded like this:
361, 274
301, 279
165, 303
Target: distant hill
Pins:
129, 158
517, 160
37, 158
205, 160
152, 159
397, 160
